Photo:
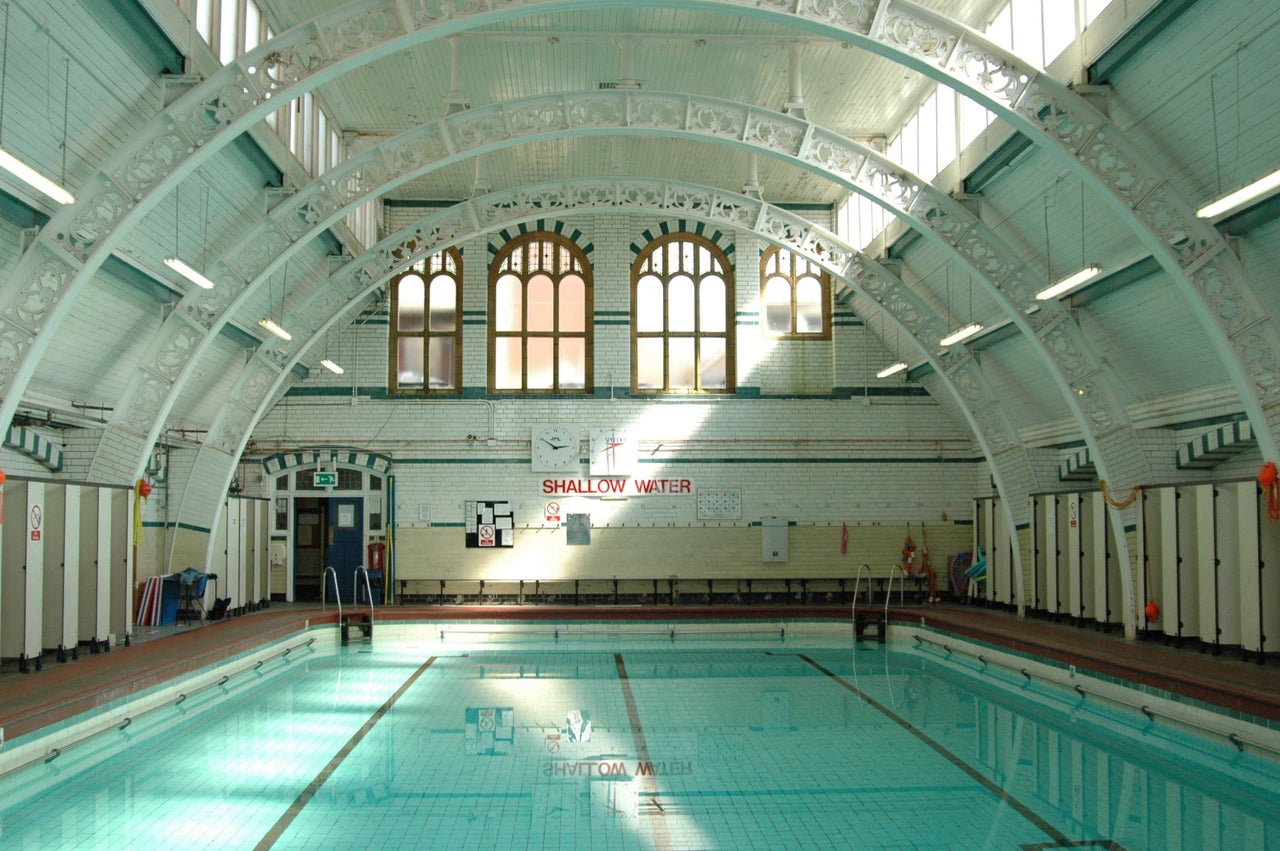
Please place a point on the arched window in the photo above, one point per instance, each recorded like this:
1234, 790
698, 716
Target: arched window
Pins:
795, 296
424, 353
682, 317
540, 330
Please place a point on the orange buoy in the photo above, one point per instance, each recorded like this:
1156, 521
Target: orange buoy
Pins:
1152, 611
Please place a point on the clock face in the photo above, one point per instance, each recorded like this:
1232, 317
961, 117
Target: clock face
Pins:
555, 447
611, 453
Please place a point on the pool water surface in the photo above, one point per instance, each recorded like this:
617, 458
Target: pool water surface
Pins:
658, 742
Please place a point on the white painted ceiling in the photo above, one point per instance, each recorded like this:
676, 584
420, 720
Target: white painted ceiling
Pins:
737, 58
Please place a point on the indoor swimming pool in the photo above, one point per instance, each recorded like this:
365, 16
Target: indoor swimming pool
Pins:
580, 735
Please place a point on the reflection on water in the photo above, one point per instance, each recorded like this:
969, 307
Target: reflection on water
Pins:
678, 743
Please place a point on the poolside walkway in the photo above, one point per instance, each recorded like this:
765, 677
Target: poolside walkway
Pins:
61, 690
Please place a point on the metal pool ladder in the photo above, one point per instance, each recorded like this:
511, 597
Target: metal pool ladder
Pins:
862, 621
362, 621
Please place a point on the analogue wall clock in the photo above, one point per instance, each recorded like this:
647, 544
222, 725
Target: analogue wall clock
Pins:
611, 453
555, 447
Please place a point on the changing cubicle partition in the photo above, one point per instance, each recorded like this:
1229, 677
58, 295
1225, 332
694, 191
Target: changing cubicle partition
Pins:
61, 594
995, 542
1259, 557
65, 568
1077, 575
22, 573
241, 555
1096, 591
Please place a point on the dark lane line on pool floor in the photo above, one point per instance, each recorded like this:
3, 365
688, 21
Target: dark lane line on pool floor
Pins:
661, 838
282, 824
991, 786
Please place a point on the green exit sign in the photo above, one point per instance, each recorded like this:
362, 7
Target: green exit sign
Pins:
326, 480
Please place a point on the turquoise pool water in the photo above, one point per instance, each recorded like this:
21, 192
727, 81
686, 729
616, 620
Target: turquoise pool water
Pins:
538, 740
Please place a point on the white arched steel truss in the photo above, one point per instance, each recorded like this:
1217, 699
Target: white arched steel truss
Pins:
878, 291
1011, 282
67, 252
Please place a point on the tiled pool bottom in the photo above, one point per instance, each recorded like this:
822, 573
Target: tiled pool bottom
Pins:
691, 742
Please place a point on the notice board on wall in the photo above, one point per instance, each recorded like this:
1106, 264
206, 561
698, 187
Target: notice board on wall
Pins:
490, 523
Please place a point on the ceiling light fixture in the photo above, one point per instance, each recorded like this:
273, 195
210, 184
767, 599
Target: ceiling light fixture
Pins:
187, 272
268, 323
1235, 200
331, 366
12, 164
960, 334
1070, 282
892, 369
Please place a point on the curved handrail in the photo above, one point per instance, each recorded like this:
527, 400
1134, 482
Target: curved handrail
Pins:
337, 594
857, 577
902, 590
368, 590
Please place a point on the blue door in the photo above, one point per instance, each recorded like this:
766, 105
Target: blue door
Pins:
345, 551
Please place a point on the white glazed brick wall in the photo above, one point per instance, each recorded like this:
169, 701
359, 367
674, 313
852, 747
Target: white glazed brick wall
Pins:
875, 463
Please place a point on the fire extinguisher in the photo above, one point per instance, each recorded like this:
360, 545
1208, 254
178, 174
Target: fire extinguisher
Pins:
376, 549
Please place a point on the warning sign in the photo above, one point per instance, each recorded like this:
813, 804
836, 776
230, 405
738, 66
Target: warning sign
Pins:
37, 517
487, 533
553, 512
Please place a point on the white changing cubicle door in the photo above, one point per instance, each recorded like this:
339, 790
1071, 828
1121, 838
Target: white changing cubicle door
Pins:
1260, 581
1228, 548
1060, 594
69, 636
51, 595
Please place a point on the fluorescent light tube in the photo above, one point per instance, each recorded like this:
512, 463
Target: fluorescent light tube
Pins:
275, 329
30, 176
331, 366
1070, 282
187, 272
962, 334
892, 369
1240, 197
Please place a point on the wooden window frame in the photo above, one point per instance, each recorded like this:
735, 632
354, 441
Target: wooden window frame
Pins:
641, 268
799, 267
423, 268
580, 265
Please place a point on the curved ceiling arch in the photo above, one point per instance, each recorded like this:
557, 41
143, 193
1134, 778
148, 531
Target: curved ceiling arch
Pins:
1054, 335
256, 389
69, 250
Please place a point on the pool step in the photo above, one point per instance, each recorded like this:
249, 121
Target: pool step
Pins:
362, 622
861, 622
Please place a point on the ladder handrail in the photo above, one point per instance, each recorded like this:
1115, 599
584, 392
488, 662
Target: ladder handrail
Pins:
902, 590
856, 579
337, 594
368, 589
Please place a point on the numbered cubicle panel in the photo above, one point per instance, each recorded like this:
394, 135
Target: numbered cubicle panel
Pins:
1232, 543
262, 548
106, 565
1259, 576
1182, 588
1044, 552
120, 587
1006, 591
1074, 550
1105, 578
1158, 557
22, 582
1058, 582
60, 597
